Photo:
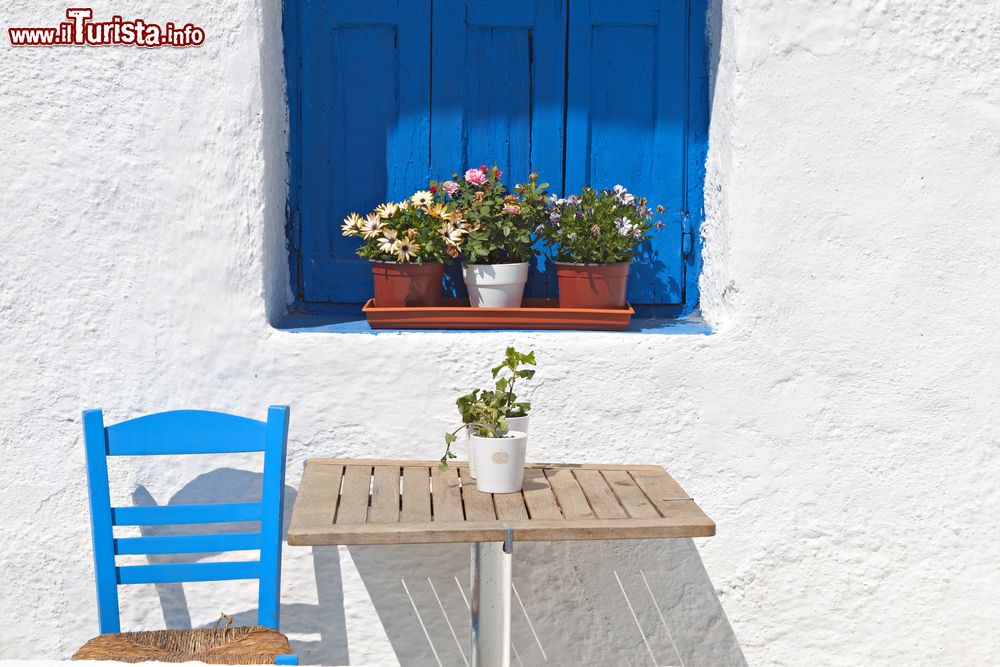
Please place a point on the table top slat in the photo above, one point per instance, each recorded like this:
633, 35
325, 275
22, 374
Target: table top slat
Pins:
385, 495
630, 495
346, 501
478, 505
572, 501
355, 494
599, 495
493, 531
406, 463
538, 496
510, 507
666, 494
446, 495
416, 495
322, 487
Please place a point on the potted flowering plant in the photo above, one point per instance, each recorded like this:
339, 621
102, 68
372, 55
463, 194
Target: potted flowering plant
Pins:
500, 224
496, 424
595, 235
408, 243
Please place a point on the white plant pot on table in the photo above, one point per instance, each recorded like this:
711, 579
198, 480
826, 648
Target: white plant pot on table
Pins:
495, 285
513, 424
500, 462
518, 424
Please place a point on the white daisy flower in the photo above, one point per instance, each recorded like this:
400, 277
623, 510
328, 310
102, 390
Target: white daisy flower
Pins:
372, 226
422, 198
406, 250
352, 224
387, 243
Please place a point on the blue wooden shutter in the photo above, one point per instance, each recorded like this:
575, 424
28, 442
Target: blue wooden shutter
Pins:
499, 77
626, 121
363, 138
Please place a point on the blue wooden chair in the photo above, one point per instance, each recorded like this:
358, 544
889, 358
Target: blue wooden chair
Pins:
187, 432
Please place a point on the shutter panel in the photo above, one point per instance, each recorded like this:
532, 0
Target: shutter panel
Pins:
365, 108
626, 121
499, 77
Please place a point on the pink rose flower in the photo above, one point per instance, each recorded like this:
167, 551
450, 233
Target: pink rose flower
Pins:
475, 177
450, 188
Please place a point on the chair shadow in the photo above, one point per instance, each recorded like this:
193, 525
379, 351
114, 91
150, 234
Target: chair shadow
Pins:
631, 602
324, 620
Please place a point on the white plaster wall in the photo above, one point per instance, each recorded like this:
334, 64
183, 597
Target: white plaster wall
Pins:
841, 425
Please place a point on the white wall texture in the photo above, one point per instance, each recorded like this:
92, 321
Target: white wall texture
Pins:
840, 426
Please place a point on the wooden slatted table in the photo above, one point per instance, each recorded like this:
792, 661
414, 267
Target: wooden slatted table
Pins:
351, 501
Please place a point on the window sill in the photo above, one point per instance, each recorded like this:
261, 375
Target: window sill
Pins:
349, 322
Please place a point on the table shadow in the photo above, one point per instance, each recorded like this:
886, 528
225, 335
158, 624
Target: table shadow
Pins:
623, 602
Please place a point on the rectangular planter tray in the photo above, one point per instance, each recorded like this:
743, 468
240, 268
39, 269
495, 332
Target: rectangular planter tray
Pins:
533, 314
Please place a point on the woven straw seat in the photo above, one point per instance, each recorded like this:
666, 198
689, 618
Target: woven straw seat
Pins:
252, 645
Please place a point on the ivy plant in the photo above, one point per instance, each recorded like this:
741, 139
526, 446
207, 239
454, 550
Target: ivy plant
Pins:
485, 411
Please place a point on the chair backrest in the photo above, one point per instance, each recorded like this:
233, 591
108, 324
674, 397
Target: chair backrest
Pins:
186, 432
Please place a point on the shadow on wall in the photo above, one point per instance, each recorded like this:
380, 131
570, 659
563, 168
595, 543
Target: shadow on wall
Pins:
325, 620
632, 602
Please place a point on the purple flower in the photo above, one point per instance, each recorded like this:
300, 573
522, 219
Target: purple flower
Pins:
573, 200
623, 196
659, 224
555, 216
540, 229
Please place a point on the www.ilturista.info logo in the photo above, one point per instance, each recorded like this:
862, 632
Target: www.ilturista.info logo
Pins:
80, 30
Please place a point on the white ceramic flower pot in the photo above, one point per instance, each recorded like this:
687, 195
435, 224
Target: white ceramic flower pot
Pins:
513, 424
496, 285
518, 424
500, 462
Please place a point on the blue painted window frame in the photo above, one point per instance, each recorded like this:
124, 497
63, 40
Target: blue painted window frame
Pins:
696, 149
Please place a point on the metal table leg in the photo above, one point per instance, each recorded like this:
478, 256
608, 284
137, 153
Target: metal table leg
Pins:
490, 584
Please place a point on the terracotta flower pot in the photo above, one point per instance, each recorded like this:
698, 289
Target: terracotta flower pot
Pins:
592, 285
407, 284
